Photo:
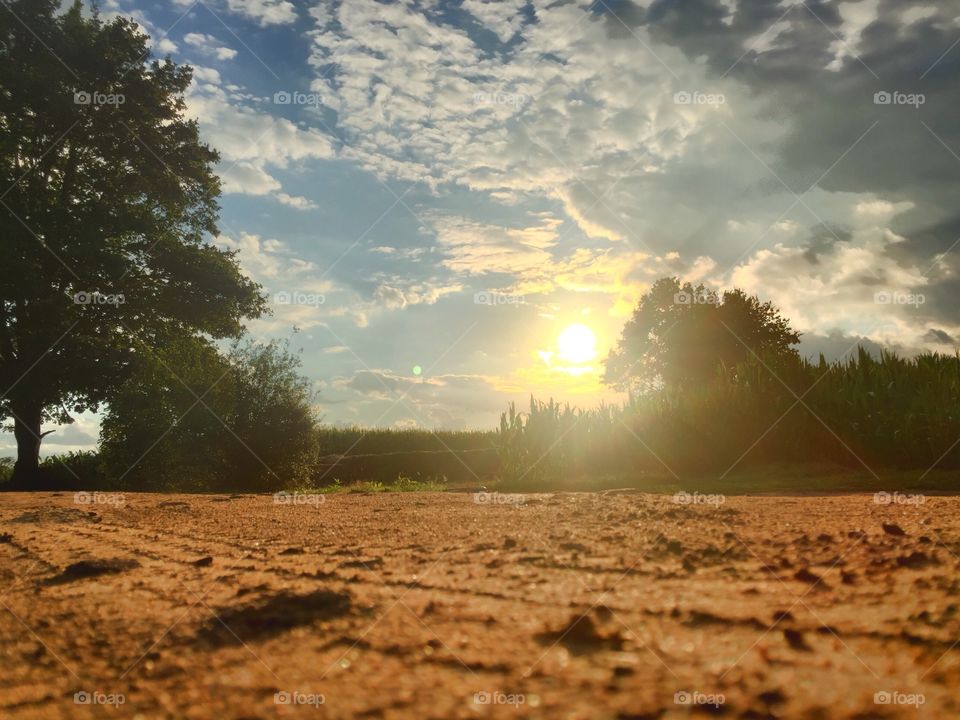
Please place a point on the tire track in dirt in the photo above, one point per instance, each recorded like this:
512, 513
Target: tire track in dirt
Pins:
585, 605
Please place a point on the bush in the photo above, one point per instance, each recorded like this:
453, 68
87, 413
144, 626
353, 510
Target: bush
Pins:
6, 469
192, 419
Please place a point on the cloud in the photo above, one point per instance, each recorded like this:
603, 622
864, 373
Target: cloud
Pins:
209, 45
430, 399
854, 285
167, 46
71, 435
252, 144
248, 178
502, 17
403, 292
265, 12
577, 106
297, 202
476, 248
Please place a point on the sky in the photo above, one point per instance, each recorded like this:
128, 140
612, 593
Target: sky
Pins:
432, 192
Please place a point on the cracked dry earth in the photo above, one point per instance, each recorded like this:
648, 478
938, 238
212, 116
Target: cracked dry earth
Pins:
429, 605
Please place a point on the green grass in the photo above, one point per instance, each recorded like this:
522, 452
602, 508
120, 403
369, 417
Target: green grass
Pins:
401, 484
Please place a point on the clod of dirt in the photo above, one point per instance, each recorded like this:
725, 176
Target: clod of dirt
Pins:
205, 561
274, 615
93, 568
582, 635
804, 575
174, 504
672, 547
364, 563
848, 578
772, 697
509, 543
916, 560
795, 640
6, 538
895, 530
700, 618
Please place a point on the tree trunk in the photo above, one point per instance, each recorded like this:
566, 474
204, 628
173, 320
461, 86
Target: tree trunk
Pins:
26, 430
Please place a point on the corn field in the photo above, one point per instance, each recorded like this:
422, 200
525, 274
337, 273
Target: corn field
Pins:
866, 413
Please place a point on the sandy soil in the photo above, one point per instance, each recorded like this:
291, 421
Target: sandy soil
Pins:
569, 605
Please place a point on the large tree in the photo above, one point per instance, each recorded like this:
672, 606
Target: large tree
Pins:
680, 336
107, 203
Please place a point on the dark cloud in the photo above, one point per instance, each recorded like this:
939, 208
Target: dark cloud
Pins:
837, 345
822, 89
939, 336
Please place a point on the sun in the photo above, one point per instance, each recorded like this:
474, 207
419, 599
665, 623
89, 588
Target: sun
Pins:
577, 344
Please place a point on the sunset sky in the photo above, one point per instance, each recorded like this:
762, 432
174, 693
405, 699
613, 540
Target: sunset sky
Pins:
442, 189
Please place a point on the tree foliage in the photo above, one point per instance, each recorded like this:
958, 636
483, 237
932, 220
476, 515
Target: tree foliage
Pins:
679, 336
191, 418
108, 199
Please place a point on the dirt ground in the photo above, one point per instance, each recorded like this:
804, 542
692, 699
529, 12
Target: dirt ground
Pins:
435, 605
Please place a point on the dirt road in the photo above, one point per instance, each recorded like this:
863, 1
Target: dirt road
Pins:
567, 605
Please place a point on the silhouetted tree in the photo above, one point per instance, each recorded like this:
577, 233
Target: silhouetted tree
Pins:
679, 336
190, 418
108, 197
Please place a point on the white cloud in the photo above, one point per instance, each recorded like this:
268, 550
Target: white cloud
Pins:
569, 113
857, 286
251, 144
248, 178
297, 202
166, 46
206, 75
477, 248
209, 45
265, 12
503, 17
